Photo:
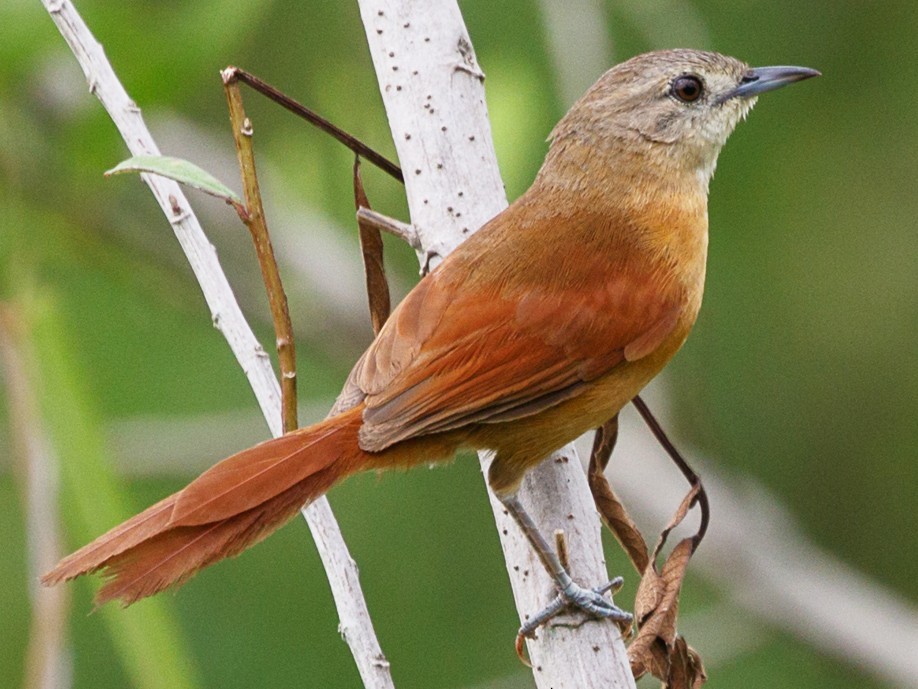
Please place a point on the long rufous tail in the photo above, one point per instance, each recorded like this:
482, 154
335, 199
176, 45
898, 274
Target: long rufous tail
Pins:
228, 508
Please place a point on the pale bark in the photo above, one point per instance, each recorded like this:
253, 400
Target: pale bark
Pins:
433, 91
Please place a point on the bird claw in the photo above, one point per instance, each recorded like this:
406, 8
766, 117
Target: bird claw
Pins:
591, 601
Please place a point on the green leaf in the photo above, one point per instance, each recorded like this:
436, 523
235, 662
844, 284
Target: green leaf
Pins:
181, 171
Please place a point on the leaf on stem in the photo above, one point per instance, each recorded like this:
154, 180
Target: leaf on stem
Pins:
656, 648
181, 171
371, 246
610, 507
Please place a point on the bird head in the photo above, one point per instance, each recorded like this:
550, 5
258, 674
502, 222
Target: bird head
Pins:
671, 107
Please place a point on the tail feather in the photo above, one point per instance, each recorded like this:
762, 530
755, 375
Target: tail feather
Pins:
252, 476
167, 559
243, 502
92, 556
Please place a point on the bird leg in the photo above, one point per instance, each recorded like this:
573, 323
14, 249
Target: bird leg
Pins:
570, 595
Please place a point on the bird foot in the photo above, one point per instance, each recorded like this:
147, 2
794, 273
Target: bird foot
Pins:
591, 601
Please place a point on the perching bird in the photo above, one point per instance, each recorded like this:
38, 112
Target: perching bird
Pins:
538, 328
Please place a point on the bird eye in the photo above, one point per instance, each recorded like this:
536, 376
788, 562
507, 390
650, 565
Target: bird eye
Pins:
687, 88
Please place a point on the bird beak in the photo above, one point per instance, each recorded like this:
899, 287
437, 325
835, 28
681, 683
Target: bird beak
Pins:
761, 79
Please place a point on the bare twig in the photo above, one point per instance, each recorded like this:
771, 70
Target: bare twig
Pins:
701, 498
432, 88
300, 110
356, 626
371, 246
254, 219
397, 228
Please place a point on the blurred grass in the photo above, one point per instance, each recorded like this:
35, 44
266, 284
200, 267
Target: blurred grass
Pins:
148, 642
802, 372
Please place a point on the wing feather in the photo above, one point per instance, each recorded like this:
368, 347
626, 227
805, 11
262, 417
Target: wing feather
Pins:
480, 341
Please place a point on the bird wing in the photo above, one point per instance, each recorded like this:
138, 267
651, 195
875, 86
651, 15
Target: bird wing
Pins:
478, 341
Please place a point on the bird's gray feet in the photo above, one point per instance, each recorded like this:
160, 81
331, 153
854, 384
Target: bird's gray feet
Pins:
591, 601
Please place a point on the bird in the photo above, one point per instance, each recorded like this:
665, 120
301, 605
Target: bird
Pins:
538, 328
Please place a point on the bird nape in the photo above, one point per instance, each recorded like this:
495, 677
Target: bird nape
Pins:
538, 328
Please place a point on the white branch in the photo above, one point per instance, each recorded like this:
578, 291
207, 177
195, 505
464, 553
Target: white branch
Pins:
432, 88
356, 626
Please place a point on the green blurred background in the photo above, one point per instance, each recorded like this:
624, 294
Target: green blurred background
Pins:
801, 375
